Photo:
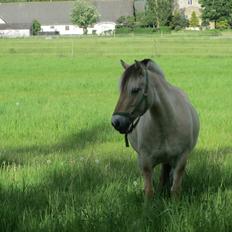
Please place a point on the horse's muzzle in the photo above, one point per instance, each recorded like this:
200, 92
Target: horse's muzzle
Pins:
120, 123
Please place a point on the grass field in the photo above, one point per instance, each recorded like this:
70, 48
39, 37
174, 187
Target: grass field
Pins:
64, 168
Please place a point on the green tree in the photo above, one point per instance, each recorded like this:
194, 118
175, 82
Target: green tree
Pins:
36, 27
194, 21
159, 12
84, 14
141, 19
178, 21
216, 10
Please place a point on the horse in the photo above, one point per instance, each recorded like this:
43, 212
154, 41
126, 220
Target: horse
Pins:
161, 124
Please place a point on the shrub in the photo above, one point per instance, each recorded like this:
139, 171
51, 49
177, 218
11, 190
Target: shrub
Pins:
136, 30
126, 21
222, 25
141, 19
36, 27
143, 30
121, 20
122, 30
178, 21
165, 30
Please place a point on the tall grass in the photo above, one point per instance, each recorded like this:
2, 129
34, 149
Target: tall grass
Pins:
62, 166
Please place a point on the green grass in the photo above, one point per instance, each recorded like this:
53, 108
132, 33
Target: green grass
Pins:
64, 168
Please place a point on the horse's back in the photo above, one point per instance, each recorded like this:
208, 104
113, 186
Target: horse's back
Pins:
196, 126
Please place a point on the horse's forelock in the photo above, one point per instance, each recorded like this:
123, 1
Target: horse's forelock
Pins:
132, 71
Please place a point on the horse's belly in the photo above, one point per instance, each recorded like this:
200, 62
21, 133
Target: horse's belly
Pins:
156, 153
166, 154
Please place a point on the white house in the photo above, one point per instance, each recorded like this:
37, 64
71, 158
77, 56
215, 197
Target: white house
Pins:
103, 28
14, 30
16, 18
100, 28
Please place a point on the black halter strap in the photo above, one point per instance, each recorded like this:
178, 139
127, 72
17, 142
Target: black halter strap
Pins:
135, 122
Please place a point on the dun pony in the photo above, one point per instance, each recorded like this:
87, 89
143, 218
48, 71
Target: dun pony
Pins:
161, 123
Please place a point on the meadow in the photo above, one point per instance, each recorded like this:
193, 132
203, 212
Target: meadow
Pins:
62, 165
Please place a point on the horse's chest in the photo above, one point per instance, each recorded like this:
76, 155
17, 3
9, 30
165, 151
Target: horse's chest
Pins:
155, 148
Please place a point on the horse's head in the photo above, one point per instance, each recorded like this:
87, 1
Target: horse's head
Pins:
135, 97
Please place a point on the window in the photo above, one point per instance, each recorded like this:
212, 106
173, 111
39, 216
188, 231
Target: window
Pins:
190, 2
66, 28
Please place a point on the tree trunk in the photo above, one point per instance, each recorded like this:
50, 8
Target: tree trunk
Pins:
157, 15
85, 30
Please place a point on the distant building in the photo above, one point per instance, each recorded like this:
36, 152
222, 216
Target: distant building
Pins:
185, 6
16, 18
188, 6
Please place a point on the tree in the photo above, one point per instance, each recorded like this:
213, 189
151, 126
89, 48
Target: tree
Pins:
84, 14
216, 10
178, 21
194, 21
36, 27
159, 12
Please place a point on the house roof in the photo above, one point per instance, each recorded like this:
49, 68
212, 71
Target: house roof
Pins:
59, 12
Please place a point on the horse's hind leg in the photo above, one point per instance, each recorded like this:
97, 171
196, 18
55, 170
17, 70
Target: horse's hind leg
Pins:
178, 173
164, 176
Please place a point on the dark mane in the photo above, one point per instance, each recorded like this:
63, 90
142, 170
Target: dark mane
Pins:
152, 66
133, 70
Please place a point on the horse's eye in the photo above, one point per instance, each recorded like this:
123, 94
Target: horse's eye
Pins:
135, 90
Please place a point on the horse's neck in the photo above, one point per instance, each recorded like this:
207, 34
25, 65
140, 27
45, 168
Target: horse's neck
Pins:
162, 109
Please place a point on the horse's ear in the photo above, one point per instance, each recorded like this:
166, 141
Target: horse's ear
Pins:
124, 65
139, 65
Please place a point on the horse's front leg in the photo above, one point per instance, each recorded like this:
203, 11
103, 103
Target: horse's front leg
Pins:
178, 175
145, 165
148, 183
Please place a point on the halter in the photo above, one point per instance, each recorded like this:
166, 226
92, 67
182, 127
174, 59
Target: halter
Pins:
134, 122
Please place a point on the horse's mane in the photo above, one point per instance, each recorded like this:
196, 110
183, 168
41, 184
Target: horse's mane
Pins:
152, 66
133, 70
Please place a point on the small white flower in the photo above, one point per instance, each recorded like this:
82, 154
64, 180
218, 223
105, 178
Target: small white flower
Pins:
17, 103
97, 161
135, 183
49, 161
